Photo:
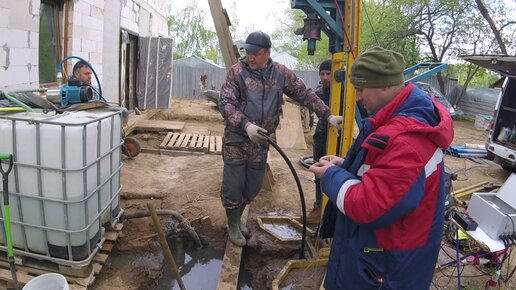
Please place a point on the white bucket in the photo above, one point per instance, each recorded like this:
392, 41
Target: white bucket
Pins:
49, 281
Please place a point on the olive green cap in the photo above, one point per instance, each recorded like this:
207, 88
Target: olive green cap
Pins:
378, 67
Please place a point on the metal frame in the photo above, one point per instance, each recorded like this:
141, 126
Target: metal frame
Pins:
102, 182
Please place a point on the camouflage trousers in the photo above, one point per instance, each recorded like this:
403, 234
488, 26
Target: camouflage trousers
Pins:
244, 168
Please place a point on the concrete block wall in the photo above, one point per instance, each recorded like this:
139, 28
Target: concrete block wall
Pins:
94, 27
87, 30
19, 44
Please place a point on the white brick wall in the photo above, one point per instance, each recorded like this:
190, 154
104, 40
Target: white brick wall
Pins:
21, 56
4, 17
81, 7
88, 46
15, 38
19, 33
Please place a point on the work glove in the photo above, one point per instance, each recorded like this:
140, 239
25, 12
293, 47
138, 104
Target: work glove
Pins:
335, 121
252, 131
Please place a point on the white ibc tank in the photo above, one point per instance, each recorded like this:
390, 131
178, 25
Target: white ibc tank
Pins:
65, 180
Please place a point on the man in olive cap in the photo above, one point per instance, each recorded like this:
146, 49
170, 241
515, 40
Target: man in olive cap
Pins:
387, 194
250, 102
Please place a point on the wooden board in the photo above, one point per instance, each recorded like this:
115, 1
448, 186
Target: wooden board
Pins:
193, 142
25, 273
220, 21
228, 278
159, 125
290, 134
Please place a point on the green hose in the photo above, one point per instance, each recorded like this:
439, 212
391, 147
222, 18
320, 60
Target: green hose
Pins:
15, 100
5, 156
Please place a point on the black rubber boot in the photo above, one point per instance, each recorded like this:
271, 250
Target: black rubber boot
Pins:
235, 236
243, 228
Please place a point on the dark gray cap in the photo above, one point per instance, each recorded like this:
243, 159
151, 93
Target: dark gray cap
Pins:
256, 41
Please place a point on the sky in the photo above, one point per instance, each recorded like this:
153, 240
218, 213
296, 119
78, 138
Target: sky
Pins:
255, 14
252, 14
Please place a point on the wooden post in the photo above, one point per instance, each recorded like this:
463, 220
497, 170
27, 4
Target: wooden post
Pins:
221, 22
164, 246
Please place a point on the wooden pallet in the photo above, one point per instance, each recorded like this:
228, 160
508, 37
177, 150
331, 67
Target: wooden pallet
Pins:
27, 271
192, 142
159, 125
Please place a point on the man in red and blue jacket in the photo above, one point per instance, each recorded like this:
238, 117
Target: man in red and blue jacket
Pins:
386, 209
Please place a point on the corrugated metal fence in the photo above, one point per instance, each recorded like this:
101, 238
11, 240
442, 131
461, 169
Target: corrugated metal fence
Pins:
187, 80
187, 84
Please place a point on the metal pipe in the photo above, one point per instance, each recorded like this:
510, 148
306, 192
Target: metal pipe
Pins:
164, 245
184, 222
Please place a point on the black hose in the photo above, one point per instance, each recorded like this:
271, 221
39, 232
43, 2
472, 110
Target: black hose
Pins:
300, 189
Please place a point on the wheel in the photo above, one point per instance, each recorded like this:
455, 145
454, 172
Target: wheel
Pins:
132, 147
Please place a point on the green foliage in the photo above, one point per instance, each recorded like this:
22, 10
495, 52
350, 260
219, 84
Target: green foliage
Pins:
191, 37
482, 77
285, 40
388, 24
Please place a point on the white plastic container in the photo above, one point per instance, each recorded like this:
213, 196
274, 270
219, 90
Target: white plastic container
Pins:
65, 179
49, 281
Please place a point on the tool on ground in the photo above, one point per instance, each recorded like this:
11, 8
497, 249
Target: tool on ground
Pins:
300, 189
7, 216
164, 245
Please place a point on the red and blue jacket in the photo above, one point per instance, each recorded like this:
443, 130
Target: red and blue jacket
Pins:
390, 197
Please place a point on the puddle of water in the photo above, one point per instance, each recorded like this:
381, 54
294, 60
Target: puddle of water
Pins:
135, 259
244, 278
284, 230
200, 270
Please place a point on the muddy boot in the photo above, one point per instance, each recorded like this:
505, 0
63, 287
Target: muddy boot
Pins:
243, 228
235, 236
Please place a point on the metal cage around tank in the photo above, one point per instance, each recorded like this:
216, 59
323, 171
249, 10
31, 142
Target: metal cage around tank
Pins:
65, 184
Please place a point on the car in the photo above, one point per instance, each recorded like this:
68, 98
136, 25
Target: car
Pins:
437, 95
501, 144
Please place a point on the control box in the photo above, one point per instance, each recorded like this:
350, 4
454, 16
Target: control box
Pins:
465, 221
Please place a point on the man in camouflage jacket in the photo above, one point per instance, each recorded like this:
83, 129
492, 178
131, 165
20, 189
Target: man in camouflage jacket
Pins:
250, 102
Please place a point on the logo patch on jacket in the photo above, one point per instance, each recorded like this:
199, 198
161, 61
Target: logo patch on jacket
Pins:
378, 141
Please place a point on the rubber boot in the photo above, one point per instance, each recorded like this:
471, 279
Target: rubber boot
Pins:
235, 236
243, 228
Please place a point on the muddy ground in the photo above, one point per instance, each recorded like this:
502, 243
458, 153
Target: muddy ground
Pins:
190, 185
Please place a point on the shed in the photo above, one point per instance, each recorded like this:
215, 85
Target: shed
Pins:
194, 74
479, 101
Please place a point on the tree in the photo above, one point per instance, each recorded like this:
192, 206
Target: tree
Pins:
390, 28
285, 40
191, 37
497, 32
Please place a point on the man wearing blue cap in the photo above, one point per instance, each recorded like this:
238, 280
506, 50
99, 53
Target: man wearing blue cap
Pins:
250, 102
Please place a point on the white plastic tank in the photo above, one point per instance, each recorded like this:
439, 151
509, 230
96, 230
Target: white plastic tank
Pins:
65, 182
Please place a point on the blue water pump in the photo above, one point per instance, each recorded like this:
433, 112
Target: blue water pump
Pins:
75, 92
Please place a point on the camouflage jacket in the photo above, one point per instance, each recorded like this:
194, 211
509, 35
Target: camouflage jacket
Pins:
256, 96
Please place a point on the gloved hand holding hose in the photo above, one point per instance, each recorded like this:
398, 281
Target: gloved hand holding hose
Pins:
252, 131
335, 121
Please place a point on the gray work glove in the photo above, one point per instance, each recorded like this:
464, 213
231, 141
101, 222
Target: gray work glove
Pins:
252, 131
335, 121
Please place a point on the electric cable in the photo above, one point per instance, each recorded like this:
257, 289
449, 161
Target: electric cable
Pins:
60, 65
370, 23
300, 189
337, 7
